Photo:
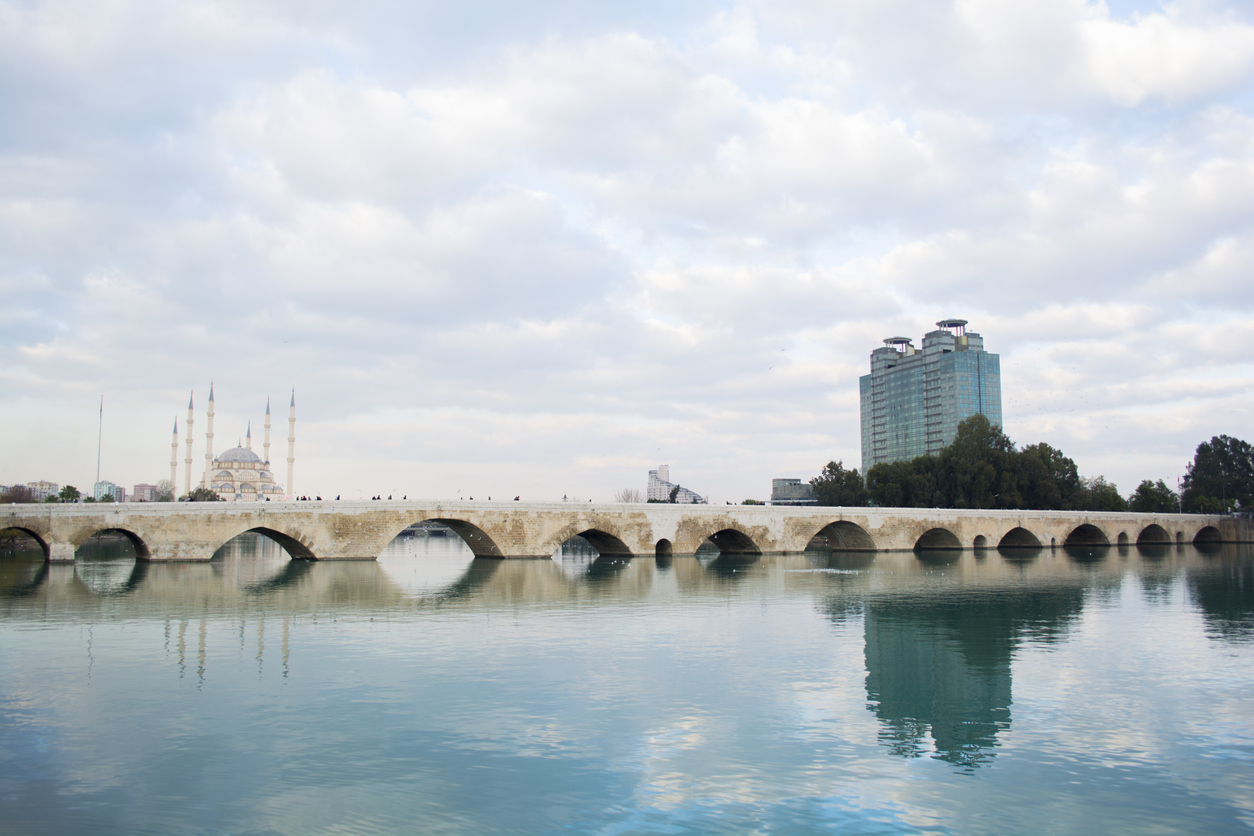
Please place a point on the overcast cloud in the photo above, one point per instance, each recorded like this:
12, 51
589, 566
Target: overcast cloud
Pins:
538, 249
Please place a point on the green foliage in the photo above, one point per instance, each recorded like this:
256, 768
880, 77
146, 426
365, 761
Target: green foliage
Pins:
752, 502
108, 497
202, 494
52, 497
69, 493
1153, 498
839, 487
1221, 476
674, 494
977, 470
982, 468
1099, 495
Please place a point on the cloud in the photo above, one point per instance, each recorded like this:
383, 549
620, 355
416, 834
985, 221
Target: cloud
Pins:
540, 249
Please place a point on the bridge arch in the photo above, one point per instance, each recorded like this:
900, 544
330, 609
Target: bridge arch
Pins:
137, 542
606, 543
843, 535
733, 541
1086, 534
476, 538
980, 542
1153, 534
1207, 535
291, 543
34, 535
664, 548
937, 538
1019, 538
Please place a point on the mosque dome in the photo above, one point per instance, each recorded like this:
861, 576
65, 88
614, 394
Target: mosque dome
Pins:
239, 454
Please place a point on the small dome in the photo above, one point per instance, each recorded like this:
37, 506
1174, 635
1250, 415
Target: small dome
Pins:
239, 454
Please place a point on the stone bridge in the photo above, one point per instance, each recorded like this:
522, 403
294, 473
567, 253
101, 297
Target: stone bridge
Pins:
361, 530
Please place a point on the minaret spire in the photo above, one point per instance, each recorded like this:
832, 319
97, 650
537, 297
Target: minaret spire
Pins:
267, 442
208, 479
187, 471
174, 457
248, 436
291, 445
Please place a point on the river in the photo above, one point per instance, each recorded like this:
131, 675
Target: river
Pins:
1107, 691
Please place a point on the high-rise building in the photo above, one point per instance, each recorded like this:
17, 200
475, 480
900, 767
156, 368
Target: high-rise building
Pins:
106, 488
913, 400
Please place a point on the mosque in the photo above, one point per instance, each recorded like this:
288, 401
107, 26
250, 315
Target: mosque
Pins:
238, 474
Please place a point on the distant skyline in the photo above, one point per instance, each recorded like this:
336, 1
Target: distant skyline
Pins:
538, 249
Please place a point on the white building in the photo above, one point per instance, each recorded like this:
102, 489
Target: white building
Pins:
660, 487
106, 488
43, 490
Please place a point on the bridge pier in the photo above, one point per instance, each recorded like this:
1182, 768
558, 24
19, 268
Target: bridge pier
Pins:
61, 552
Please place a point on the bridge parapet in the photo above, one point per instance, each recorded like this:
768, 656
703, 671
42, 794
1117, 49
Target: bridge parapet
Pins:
362, 530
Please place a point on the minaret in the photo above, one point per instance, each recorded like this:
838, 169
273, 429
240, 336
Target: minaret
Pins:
187, 475
248, 437
174, 457
208, 480
291, 444
267, 442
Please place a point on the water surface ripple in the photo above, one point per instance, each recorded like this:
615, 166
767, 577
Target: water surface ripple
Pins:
430, 692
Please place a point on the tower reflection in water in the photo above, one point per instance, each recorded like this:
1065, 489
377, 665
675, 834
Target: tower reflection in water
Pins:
938, 662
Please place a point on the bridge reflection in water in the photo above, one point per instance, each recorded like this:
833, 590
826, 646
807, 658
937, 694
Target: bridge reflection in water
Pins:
941, 628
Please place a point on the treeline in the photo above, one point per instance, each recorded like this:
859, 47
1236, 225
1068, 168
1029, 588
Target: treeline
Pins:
983, 468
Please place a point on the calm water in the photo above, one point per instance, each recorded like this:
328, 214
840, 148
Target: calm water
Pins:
430, 692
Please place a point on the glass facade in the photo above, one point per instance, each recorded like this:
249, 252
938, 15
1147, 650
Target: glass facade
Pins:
913, 400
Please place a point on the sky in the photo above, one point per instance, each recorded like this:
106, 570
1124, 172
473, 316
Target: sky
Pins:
539, 248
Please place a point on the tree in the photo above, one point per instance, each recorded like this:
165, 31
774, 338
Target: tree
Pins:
674, 494
19, 494
69, 493
106, 497
839, 487
1099, 495
1153, 498
977, 469
629, 495
202, 494
1048, 480
1221, 475
753, 502
163, 491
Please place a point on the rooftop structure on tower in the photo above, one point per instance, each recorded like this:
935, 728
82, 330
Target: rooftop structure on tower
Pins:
914, 399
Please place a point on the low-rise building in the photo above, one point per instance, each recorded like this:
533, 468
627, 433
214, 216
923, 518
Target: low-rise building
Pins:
42, 490
792, 492
144, 493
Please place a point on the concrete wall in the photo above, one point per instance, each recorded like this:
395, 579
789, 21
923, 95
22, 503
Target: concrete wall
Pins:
361, 530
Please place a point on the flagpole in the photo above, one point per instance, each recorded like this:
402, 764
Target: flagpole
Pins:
99, 439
